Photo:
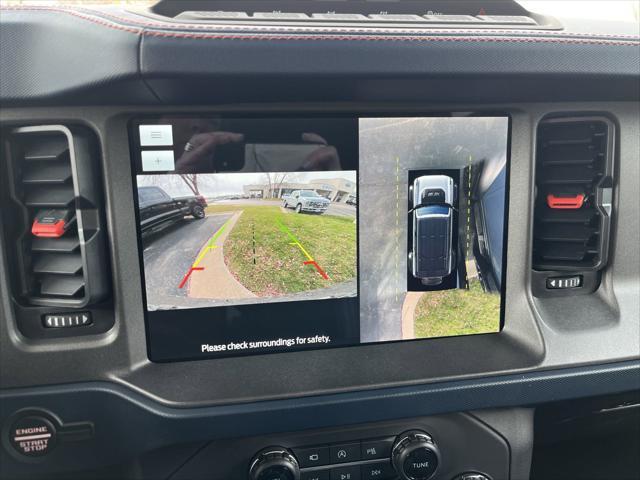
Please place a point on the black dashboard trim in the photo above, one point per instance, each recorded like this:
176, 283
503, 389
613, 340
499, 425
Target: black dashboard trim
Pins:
152, 425
131, 67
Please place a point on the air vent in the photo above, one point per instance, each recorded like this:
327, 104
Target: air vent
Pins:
57, 234
573, 194
363, 13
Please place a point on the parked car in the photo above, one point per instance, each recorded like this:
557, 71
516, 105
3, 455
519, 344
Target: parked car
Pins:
432, 254
306, 201
159, 210
352, 201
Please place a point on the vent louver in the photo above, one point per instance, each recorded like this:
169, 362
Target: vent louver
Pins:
573, 194
47, 184
59, 242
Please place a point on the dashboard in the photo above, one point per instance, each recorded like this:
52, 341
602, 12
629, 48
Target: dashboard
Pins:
311, 241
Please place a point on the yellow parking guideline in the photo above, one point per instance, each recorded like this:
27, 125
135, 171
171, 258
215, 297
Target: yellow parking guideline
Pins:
202, 254
295, 241
217, 234
469, 209
303, 250
209, 244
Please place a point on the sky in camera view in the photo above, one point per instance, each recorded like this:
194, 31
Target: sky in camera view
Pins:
232, 183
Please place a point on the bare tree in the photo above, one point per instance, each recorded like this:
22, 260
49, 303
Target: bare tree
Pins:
279, 181
148, 180
270, 183
191, 179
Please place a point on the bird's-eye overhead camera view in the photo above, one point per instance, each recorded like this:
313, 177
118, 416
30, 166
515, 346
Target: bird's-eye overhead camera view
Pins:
319, 240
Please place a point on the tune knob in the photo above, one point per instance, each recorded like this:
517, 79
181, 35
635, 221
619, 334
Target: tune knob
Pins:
415, 456
275, 463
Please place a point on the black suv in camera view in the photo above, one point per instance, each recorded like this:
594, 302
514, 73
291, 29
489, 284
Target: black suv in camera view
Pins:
159, 210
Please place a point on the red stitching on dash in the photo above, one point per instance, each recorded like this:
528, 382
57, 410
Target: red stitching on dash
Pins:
104, 23
372, 38
413, 31
281, 29
332, 37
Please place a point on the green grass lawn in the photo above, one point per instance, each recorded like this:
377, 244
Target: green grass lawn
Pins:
277, 266
457, 312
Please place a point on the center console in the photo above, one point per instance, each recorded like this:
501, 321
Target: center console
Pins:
454, 446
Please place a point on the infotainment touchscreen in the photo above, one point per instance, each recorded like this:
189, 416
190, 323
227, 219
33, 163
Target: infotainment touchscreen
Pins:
261, 235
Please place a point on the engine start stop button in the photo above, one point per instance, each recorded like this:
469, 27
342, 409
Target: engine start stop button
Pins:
33, 436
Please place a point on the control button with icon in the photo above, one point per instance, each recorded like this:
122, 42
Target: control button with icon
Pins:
348, 452
374, 449
312, 456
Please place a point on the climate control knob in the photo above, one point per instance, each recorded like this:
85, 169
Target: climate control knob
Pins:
275, 463
415, 456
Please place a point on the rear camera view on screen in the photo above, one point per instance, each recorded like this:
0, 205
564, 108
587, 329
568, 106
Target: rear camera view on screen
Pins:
280, 234
239, 238
435, 188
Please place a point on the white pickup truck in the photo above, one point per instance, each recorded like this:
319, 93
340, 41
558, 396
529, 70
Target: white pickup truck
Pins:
306, 201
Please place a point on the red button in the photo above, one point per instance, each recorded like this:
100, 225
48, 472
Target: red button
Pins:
49, 230
565, 202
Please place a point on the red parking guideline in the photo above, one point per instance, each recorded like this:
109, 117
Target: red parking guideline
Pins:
297, 243
320, 270
188, 274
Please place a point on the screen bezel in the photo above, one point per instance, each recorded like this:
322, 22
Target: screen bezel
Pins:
135, 149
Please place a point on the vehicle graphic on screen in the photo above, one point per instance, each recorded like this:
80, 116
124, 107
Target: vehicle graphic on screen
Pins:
306, 201
432, 254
